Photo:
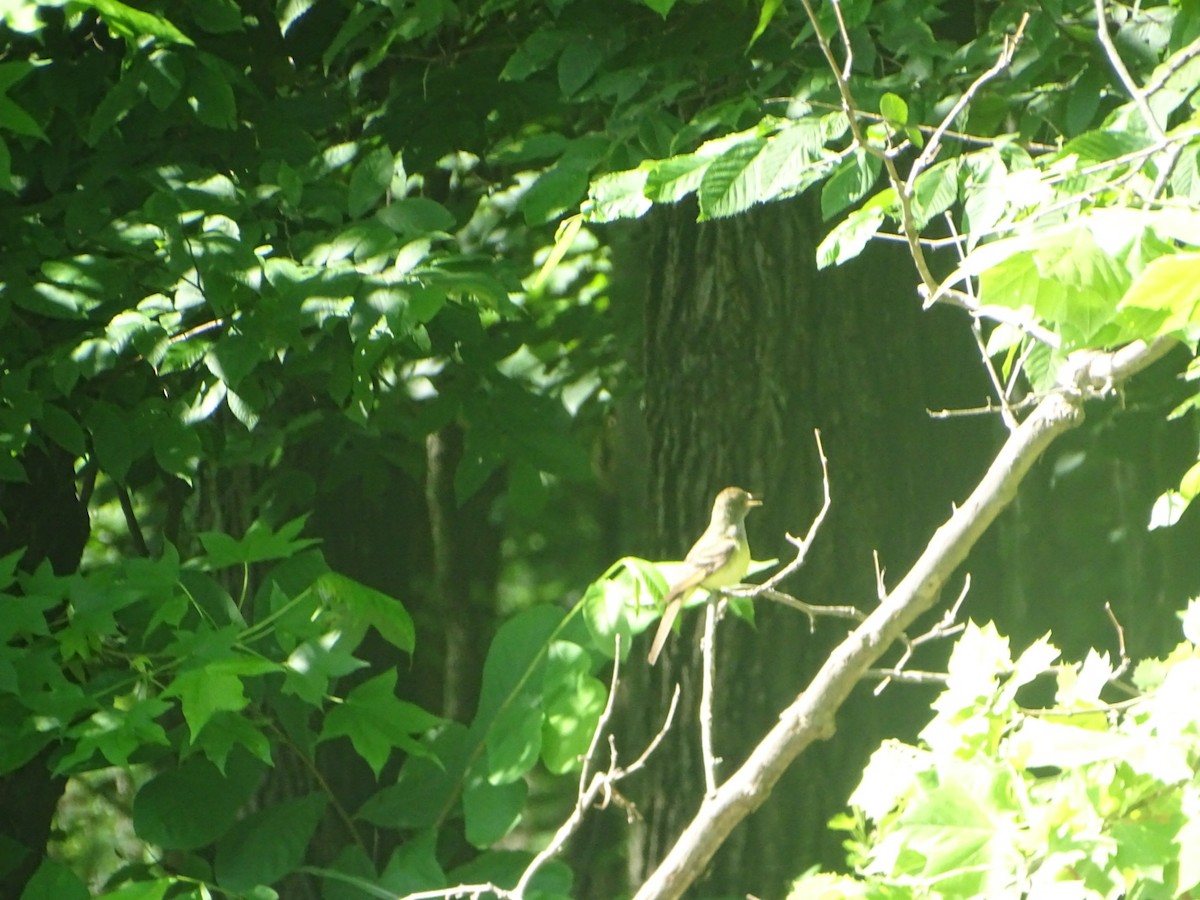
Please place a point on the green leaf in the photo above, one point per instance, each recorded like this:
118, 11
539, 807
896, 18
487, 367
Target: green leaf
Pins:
63, 429
415, 216
1063, 275
514, 738
851, 180
1189, 484
849, 237
6, 182
210, 89
1167, 510
414, 866
953, 835
670, 180
578, 63
370, 180
765, 15
376, 721
617, 195
315, 662
492, 811
268, 844
515, 667
232, 357
623, 603
215, 687
557, 190
193, 805
219, 16
54, 880
112, 439
177, 448
1169, 284
228, 731
360, 605
426, 784
132, 23
117, 732
729, 186
140, 890
935, 191
17, 120
259, 544
573, 703
894, 110
535, 53
662, 7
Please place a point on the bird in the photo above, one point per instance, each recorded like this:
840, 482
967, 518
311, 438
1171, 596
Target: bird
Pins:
718, 559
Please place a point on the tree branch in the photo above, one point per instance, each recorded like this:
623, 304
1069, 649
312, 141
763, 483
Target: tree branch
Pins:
811, 717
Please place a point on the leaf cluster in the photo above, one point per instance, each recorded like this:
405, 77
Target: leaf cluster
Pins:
1083, 797
153, 664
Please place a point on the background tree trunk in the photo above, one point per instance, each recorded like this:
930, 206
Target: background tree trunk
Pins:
746, 350
45, 516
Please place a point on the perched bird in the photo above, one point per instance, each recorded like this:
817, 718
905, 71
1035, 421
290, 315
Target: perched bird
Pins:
719, 559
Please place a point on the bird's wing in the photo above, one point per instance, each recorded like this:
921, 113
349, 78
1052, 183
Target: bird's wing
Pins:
708, 555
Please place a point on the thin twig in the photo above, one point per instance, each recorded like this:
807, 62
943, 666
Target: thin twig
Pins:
946, 626
802, 545
814, 611
1118, 64
987, 409
601, 783
707, 691
934, 144
1178, 60
1124, 664
1006, 412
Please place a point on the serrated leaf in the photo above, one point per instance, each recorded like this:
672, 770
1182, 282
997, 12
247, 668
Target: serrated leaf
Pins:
935, 191
376, 721
849, 237
670, 180
617, 195
215, 687
1170, 284
259, 544
364, 606
729, 186
578, 63
853, 178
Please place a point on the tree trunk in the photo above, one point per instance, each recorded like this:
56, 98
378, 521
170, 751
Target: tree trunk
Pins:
747, 350
45, 516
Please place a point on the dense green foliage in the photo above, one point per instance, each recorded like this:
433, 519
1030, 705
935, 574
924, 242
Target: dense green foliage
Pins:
1087, 797
256, 237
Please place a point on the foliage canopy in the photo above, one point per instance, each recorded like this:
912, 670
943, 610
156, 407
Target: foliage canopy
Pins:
243, 235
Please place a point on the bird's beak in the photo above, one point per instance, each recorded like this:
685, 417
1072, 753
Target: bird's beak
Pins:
754, 501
